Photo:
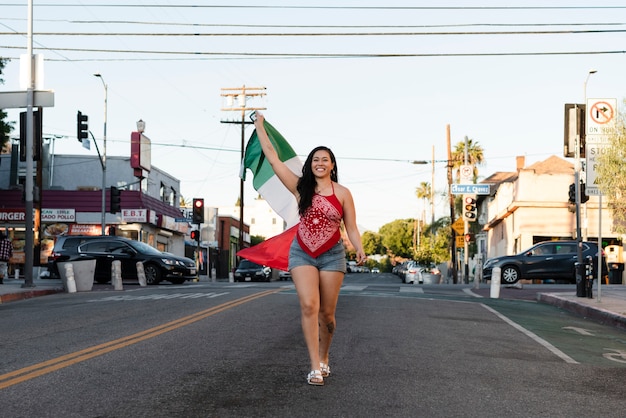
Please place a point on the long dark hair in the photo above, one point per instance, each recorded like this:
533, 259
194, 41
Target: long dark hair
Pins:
307, 183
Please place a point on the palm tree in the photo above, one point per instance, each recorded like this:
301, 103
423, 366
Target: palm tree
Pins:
423, 192
475, 157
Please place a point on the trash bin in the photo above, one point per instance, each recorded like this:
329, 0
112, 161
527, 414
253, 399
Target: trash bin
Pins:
615, 273
84, 271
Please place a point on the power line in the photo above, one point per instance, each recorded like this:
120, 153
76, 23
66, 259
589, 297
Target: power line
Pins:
285, 55
221, 6
274, 26
314, 34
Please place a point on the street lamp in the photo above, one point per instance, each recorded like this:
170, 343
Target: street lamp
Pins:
104, 153
584, 208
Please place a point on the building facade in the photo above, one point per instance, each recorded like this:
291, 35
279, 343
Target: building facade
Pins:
531, 205
68, 200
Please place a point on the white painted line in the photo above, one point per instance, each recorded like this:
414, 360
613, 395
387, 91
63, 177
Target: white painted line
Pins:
532, 335
411, 290
354, 288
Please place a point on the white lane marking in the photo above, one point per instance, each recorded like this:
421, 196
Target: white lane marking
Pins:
411, 290
161, 296
581, 331
532, 335
354, 288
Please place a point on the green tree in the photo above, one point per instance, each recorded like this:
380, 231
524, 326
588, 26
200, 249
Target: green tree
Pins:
397, 237
372, 243
435, 248
256, 239
611, 175
5, 127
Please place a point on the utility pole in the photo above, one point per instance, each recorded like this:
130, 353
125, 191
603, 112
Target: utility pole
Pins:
465, 229
236, 101
451, 199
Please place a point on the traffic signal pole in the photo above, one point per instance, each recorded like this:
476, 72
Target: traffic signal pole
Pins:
466, 230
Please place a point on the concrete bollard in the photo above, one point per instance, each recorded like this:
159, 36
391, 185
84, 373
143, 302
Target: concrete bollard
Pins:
141, 274
70, 283
213, 275
116, 275
231, 277
17, 274
494, 292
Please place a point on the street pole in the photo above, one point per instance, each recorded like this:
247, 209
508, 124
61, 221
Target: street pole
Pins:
465, 230
28, 183
104, 155
236, 99
451, 201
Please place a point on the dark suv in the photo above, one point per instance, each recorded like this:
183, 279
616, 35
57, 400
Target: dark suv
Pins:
157, 265
548, 260
248, 271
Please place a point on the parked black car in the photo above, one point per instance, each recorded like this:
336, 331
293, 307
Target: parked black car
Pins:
157, 265
247, 271
548, 260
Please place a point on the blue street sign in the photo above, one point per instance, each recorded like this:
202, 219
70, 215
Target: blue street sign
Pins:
181, 219
470, 189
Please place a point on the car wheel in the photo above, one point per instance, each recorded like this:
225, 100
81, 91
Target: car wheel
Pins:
102, 280
177, 281
153, 274
510, 275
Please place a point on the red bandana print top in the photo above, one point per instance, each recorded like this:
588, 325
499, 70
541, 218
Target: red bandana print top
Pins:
318, 230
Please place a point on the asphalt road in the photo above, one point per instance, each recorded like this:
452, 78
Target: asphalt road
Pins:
236, 350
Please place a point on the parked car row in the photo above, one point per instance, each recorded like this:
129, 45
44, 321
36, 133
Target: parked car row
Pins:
412, 272
157, 265
548, 260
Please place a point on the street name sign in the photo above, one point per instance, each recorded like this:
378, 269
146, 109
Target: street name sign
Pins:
482, 189
17, 99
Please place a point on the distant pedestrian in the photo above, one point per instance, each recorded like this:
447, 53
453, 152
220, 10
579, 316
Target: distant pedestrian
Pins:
6, 252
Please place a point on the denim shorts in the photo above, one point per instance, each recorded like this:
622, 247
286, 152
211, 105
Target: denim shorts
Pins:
332, 260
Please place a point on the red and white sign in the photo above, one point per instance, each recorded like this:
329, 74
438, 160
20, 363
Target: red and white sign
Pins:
600, 119
135, 215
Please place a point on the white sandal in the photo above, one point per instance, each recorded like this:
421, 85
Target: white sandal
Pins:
315, 378
325, 369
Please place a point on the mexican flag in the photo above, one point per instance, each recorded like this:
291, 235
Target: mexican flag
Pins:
265, 180
273, 252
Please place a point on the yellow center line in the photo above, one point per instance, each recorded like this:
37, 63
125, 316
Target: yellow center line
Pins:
39, 369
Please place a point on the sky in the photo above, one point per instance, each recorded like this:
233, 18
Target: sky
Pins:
381, 98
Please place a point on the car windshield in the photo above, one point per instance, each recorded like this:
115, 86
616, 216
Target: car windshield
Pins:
246, 264
145, 248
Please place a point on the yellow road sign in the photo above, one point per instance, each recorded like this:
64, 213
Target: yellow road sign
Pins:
460, 241
459, 226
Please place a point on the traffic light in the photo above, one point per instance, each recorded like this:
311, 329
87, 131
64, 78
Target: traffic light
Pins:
572, 193
82, 126
195, 235
470, 211
583, 195
115, 200
197, 216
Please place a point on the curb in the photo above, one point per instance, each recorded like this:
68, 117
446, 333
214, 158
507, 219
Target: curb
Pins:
12, 297
601, 315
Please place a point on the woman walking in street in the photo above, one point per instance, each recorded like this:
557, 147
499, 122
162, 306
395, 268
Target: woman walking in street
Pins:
317, 259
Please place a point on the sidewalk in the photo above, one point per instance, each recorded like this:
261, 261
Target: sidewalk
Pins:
608, 309
12, 289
